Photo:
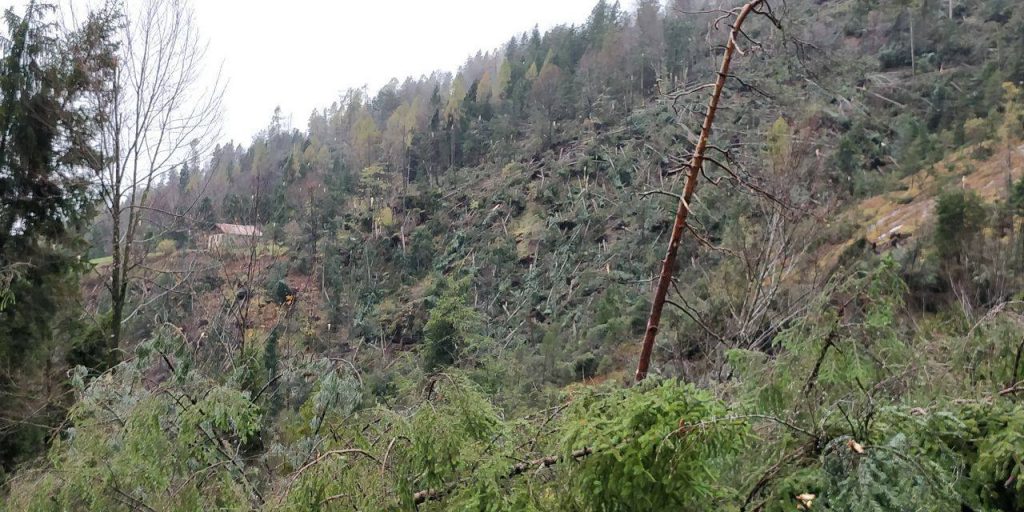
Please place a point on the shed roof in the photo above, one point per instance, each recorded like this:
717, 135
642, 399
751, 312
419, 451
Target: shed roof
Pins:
239, 229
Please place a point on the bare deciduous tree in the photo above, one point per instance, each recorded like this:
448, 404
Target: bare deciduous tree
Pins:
156, 106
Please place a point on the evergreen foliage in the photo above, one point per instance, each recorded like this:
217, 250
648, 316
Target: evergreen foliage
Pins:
46, 130
455, 270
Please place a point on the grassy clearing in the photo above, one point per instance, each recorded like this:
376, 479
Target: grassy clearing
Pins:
102, 261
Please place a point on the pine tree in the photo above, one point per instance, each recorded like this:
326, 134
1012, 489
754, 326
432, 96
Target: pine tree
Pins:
501, 85
46, 135
207, 215
184, 177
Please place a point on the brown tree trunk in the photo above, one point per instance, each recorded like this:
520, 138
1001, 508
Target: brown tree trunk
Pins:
696, 163
117, 288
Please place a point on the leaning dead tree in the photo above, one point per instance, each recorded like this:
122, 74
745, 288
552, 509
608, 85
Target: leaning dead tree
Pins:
694, 171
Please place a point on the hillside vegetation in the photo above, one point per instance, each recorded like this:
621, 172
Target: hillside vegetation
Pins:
445, 307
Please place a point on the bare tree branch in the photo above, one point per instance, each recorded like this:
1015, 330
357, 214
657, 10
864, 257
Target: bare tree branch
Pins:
156, 108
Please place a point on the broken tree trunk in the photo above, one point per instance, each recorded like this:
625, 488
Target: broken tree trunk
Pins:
696, 163
424, 496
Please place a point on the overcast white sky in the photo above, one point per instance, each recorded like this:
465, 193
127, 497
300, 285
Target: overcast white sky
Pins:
301, 54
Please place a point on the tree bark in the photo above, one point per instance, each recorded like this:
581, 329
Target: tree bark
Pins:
117, 288
683, 210
913, 63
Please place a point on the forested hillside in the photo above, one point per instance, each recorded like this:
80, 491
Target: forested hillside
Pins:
432, 296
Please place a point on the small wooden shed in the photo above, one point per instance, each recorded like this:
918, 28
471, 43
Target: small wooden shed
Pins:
231, 235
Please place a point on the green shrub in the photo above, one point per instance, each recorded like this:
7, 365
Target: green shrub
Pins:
166, 247
641, 435
276, 286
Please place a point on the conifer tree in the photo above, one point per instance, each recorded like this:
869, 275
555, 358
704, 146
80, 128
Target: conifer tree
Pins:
46, 136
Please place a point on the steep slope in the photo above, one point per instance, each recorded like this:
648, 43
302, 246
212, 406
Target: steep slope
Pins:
888, 220
456, 272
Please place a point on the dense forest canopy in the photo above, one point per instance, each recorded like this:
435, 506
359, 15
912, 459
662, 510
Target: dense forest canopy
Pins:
431, 296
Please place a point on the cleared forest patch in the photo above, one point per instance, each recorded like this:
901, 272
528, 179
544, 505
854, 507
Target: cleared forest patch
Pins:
886, 219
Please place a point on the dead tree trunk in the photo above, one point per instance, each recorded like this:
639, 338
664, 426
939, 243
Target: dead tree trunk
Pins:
696, 163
